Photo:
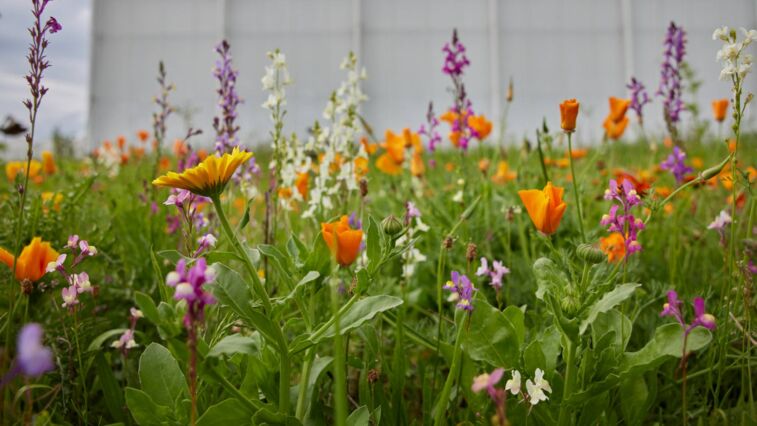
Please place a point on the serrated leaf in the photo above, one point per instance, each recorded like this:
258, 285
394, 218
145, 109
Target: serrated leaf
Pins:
608, 301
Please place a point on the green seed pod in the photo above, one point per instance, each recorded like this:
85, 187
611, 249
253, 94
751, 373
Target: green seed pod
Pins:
715, 170
391, 225
589, 253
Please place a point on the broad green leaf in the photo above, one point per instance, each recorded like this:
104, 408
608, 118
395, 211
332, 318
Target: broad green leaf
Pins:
633, 404
362, 311
360, 417
236, 344
616, 322
160, 376
548, 276
147, 306
518, 320
227, 412
667, 342
491, 337
533, 357
374, 245
231, 290
608, 301
144, 410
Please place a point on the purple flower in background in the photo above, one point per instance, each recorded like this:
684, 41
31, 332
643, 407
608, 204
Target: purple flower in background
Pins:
462, 291
489, 381
720, 223
455, 61
412, 211
454, 65
639, 98
205, 243
675, 163
189, 282
670, 76
624, 221
225, 126
701, 317
496, 272
434, 138
354, 222
38, 62
126, 341
33, 358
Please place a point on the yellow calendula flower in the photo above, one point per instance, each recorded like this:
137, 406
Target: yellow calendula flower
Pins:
208, 178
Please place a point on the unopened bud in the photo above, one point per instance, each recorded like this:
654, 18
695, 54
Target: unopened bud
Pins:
714, 171
27, 287
447, 243
363, 187
471, 253
590, 254
391, 225
509, 96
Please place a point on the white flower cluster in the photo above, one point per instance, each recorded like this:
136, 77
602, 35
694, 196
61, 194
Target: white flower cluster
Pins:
275, 80
412, 257
336, 143
534, 390
730, 55
294, 162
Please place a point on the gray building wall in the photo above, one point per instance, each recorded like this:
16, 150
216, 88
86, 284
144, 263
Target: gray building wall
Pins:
553, 49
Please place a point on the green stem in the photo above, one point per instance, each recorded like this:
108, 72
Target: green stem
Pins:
569, 384
575, 188
441, 408
340, 376
304, 377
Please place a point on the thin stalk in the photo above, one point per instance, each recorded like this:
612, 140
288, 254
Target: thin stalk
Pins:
441, 408
340, 377
570, 379
575, 188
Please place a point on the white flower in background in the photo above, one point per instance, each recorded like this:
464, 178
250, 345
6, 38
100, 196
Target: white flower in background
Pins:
720, 34
537, 388
735, 65
513, 385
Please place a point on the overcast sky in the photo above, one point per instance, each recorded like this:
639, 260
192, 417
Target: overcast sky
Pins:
65, 105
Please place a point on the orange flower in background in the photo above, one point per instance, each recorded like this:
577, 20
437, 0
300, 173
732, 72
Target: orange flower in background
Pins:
483, 165
412, 140
613, 246
390, 162
143, 135
14, 168
615, 130
51, 199
285, 192
732, 145
32, 263
370, 148
697, 163
503, 174
361, 167
165, 163
48, 163
137, 152
417, 167
640, 184
720, 109
618, 108
568, 114
121, 141
343, 241
449, 166
545, 207
578, 153
301, 183
667, 142
180, 148
480, 125
202, 154
562, 163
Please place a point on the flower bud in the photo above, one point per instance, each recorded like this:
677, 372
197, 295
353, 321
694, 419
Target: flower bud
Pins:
590, 254
391, 225
471, 253
715, 170
363, 187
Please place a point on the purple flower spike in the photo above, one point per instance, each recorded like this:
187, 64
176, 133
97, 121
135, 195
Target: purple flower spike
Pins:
33, 358
670, 76
673, 307
188, 284
639, 98
675, 163
701, 317
225, 127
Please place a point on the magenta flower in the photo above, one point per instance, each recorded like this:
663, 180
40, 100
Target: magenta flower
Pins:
126, 341
495, 273
670, 82
701, 317
70, 297
624, 222
205, 243
489, 381
639, 98
189, 282
462, 291
434, 138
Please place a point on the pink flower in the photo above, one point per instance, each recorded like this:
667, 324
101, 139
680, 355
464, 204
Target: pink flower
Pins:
70, 297
489, 381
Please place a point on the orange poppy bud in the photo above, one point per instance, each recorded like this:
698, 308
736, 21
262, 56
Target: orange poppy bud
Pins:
48, 163
370, 148
545, 207
503, 174
615, 129
568, 114
32, 262
719, 109
386, 164
343, 241
613, 246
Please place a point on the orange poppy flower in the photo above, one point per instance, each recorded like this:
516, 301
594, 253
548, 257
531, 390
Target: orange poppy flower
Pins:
503, 174
545, 207
301, 182
285, 192
483, 165
48, 163
719, 109
51, 199
343, 241
180, 148
613, 246
361, 167
370, 148
615, 129
121, 141
618, 108
640, 184
143, 135
32, 263
578, 153
480, 125
13, 168
417, 167
568, 114
165, 163
202, 154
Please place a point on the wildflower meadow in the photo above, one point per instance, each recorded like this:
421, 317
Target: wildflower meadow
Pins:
432, 274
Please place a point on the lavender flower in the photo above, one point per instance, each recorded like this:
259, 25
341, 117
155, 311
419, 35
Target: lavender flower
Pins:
462, 291
126, 341
670, 82
225, 126
456, 60
701, 317
495, 273
624, 221
78, 283
639, 98
434, 138
489, 381
38, 62
205, 243
675, 163
455, 63
33, 358
720, 223
189, 282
